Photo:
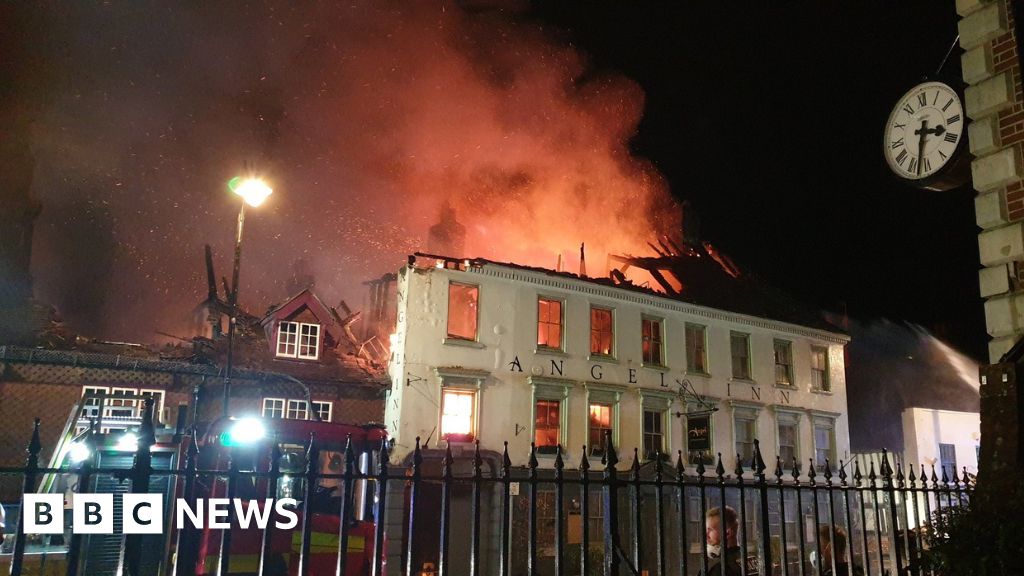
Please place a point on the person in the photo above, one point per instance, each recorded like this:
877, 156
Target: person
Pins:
842, 567
721, 527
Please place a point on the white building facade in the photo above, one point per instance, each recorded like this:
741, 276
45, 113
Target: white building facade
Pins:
495, 353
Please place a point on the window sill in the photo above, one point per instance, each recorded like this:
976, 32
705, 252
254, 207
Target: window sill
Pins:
656, 367
602, 358
743, 380
785, 386
696, 373
822, 392
550, 351
461, 342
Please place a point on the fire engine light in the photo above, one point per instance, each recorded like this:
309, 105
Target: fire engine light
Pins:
245, 431
128, 442
78, 452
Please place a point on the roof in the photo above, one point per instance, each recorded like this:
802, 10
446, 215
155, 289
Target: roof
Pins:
306, 299
696, 274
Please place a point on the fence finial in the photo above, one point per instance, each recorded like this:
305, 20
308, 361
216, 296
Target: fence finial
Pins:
871, 474
842, 473
559, 463
506, 462
911, 476
758, 464
720, 469
796, 469
478, 461
828, 472
610, 457
739, 468
446, 462
811, 474
700, 465
857, 476
635, 468
584, 462
417, 457
778, 469
533, 456
680, 469
935, 479
385, 455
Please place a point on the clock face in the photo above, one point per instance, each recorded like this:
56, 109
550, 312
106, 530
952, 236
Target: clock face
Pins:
924, 131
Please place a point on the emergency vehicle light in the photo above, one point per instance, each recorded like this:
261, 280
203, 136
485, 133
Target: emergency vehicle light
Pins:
245, 431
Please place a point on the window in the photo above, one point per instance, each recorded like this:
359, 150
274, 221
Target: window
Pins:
549, 323
462, 310
458, 414
652, 344
298, 340
158, 402
91, 406
740, 345
783, 363
746, 431
296, 410
600, 423
323, 409
696, 349
654, 434
947, 459
601, 332
824, 442
121, 403
819, 369
547, 425
789, 435
273, 408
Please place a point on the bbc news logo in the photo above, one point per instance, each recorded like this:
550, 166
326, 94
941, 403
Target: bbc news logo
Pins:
144, 513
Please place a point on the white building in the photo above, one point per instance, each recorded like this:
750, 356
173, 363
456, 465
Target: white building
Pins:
500, 352
948, 440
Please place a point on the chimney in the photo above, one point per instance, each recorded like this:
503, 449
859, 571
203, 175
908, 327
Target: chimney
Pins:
447, 237
583, 261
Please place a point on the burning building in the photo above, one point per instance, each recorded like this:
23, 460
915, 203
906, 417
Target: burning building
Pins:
691, 355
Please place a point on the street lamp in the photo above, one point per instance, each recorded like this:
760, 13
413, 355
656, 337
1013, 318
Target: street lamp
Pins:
253, 192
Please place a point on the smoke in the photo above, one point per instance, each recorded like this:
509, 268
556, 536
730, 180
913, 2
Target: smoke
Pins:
893, 366
365, 116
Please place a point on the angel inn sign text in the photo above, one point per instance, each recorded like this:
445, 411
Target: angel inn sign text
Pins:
495, 352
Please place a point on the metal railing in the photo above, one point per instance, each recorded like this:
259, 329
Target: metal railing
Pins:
480, 515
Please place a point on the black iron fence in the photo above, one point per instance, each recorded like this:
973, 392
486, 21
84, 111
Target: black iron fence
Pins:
439, 514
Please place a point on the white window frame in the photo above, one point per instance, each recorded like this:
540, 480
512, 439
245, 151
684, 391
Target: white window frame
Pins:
551, 390
704, 349
606, 394
826, 380
158, 404
561, 323
90, 410
651, 401
319, 407
749, 414
827, 422
298, 407
464, 381
112, 410
787, 418
283, 403
788, 344
732, 357
297, 345
590, 335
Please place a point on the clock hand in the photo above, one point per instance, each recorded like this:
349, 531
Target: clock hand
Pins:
921, 133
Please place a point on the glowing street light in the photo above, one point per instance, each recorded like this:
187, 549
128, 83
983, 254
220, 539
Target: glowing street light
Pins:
253, 191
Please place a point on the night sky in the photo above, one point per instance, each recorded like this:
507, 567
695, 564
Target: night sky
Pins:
367, 117
769, 120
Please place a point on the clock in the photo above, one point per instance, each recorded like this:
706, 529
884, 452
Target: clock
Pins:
925, 137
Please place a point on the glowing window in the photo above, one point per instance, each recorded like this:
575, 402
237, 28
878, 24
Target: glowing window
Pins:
601, 332
463, 302
783, 363
740, 345
323, 409
549, 323
547, 425
458, 414
600, 424
273, 408
652, 341
696, 349
819, 369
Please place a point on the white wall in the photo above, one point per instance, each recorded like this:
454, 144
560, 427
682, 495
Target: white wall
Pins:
924, 429
507, 343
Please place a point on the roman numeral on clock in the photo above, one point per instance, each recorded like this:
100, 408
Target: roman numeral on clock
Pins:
951, 137
898, 125
948, 104
953, 120
913, 165
927, 165
942, 155
901, 157
922, 99
897, 144
908, 108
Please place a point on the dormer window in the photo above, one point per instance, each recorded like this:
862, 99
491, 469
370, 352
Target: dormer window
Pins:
298, 340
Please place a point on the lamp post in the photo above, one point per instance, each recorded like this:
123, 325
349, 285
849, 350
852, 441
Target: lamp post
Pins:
253, 192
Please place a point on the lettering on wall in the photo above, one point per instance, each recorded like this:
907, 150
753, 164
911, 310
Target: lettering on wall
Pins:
595, 372
784, 396
515, 366
755, 392
556, 366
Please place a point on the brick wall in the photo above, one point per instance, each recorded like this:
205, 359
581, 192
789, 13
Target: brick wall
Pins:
995, 106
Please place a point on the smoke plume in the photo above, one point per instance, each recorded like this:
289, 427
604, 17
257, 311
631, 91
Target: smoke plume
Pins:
365, 116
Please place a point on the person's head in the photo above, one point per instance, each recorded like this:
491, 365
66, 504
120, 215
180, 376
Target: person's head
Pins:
719, 521
825, 537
